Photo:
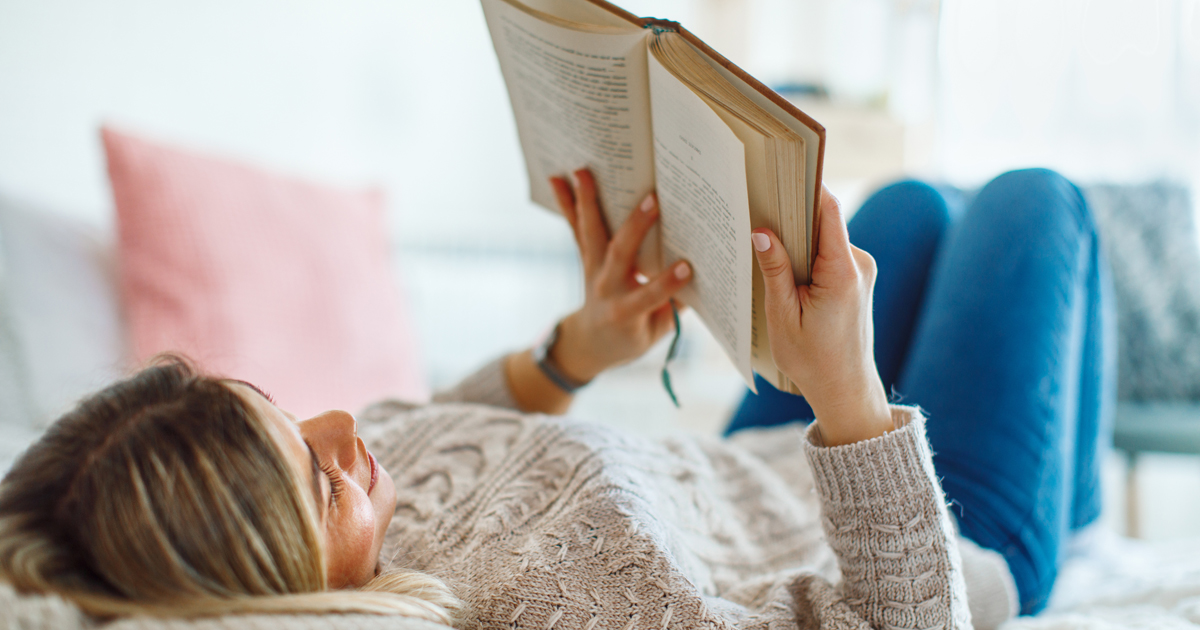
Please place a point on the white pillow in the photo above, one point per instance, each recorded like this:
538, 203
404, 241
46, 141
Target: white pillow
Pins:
62, 309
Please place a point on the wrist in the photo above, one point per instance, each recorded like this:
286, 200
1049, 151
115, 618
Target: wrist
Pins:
571, 353
543, 357
531, 389
862, 415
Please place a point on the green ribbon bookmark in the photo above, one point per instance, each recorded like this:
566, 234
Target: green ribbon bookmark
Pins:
666, 376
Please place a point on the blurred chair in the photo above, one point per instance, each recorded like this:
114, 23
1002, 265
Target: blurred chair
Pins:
1149, 232
1152, 428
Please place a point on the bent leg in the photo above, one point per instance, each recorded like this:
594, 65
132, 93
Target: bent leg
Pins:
901, 226
1012, 361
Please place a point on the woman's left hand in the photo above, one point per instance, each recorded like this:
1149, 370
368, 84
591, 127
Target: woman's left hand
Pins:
621, 318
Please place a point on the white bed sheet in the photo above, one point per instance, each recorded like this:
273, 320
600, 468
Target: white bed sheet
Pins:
1110, 582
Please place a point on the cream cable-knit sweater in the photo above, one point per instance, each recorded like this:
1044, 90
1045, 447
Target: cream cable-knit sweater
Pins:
548, 523
553, 524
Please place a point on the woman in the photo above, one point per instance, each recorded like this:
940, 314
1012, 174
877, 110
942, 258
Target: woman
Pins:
179, 494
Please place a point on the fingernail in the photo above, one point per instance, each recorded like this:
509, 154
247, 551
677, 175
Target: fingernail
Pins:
647, 203
683, 270
762, 242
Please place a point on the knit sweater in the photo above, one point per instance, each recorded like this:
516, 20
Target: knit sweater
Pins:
548, 523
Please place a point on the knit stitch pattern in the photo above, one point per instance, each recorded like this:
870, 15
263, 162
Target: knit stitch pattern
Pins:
552, 524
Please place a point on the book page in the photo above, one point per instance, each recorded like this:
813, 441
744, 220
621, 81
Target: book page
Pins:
581, 99
701, 170
812, 141
759, 195
579, 11
774, 163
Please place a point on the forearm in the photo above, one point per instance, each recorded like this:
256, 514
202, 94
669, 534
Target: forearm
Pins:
486, 386
513, 381
885, 517
569, 356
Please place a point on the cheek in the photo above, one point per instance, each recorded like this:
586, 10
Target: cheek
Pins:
351, 542
383, 497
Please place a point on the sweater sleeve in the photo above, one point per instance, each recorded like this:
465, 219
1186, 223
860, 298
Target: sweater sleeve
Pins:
486, 386
885, 517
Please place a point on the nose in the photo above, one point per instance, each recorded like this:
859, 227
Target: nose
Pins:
333, 435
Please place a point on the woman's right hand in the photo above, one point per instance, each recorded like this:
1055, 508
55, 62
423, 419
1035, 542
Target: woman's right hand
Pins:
822, 335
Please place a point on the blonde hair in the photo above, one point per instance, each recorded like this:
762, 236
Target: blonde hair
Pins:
163, 495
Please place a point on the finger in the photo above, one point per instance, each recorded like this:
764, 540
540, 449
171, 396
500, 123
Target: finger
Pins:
566, 203
783, 308
565, 198
658, 291
865, 263
593, 235
628, 240
833, 237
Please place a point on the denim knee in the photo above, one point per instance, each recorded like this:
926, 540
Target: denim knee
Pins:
1033, 194
902, 226
925, 207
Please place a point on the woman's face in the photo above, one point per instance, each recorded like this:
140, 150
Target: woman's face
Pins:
355, 496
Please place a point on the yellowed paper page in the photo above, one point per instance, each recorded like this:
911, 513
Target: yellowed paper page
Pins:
760, 198
580, 99
701, 170
812, 141
761, 201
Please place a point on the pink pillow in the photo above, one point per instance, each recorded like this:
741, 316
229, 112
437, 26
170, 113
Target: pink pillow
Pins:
256, 276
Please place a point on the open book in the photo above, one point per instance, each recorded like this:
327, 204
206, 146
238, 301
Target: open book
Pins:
646, 105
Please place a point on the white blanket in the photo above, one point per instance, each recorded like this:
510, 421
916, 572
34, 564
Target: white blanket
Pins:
1111, 582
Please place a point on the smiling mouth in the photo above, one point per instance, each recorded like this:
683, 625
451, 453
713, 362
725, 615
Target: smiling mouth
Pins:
374, 472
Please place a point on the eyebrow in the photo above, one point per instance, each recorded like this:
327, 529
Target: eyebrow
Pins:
317, 473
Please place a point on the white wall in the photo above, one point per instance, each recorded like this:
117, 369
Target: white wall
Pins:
400, 93
403, 93
1098, 89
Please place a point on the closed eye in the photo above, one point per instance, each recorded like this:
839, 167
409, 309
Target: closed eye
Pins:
337, 485
318, 469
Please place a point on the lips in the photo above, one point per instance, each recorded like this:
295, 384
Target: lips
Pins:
374, 471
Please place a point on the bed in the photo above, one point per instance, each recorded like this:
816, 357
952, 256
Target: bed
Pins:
1114, 582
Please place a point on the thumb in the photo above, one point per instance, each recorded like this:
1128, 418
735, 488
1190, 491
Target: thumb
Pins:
776, 269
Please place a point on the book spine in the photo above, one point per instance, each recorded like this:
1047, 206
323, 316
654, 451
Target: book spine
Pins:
661, 26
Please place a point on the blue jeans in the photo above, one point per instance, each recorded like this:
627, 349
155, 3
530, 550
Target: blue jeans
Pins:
999, 322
